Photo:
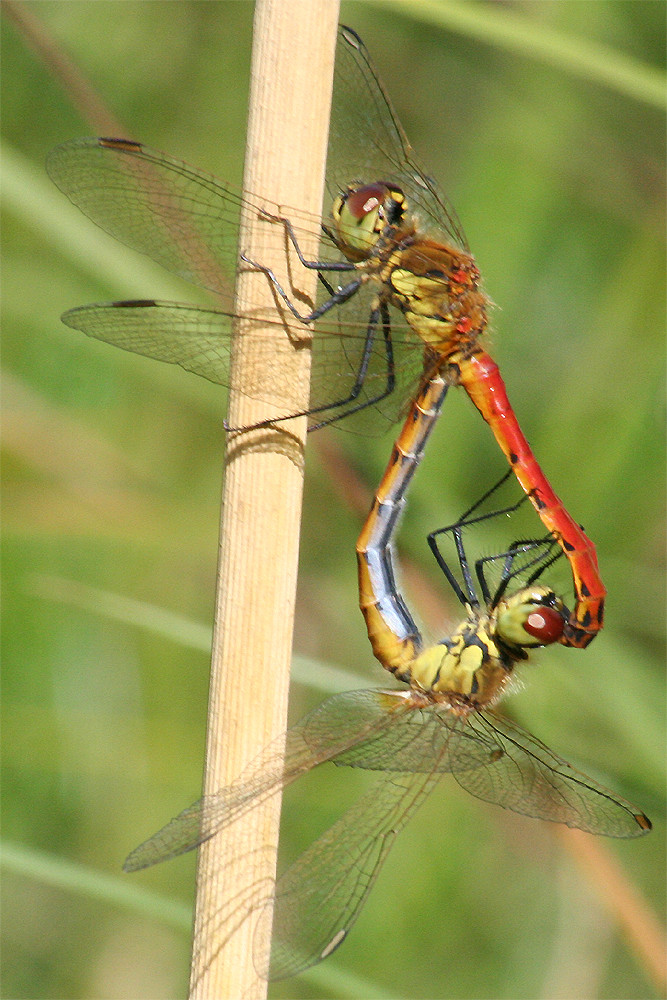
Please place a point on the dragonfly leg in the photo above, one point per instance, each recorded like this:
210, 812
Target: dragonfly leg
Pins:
339, 296
542, 560
379, 312
470, 596
314, 265
509, 557
327, 284
465, 598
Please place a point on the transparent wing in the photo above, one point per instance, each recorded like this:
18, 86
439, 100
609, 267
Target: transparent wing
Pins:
320, 896
199, 341
188, 220
529, 778
367, 142
422, 740
331, 728
182, 218
194, 338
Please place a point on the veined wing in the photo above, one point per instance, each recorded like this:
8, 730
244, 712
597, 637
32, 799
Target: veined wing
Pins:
332, 727
198, 340
531, 779
367, 142
195, 338
318, 898
182, 218
421, 740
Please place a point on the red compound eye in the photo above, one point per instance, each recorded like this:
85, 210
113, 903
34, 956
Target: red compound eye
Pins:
545, 624
365, 199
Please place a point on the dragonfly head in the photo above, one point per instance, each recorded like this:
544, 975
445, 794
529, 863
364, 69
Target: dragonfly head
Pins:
363, 214
529, 618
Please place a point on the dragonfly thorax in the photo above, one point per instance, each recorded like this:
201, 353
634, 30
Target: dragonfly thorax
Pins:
469, 668
436, 287
472, 667
367, 214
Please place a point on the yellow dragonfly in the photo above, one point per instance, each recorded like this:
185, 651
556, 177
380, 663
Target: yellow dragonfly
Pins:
441, 722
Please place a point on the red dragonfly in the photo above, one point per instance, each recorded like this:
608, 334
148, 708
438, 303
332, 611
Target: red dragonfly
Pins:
442, 723
406, 323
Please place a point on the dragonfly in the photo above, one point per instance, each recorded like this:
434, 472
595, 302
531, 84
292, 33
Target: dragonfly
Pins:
405, 324
441, 722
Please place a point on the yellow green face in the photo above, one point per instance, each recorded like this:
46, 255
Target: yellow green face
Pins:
532, 617
362, 214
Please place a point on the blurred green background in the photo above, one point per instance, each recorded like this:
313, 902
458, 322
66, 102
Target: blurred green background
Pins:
112, 470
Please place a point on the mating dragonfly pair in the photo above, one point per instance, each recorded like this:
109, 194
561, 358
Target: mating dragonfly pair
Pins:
406, 322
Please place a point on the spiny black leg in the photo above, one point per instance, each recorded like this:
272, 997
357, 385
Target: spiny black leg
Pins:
338, 296
345, 410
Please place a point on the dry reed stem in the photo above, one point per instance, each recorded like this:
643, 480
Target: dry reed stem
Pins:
292, 69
